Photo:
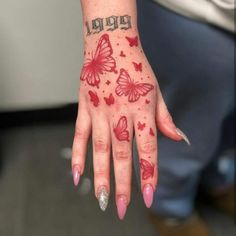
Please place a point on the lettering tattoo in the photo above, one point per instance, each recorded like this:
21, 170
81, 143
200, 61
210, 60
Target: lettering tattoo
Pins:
110, 23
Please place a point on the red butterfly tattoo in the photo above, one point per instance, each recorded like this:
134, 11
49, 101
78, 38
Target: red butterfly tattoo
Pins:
141, 126
137, 66
151, 132
99, 63
94, 98
129, 88
110, 100
121, 132
148, 169
133, 41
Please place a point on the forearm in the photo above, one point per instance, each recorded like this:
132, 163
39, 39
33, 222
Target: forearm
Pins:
108, 16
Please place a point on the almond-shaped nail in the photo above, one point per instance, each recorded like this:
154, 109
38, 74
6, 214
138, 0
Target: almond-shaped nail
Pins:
148, 195
183, 135
103, 197
76, 174
121, 204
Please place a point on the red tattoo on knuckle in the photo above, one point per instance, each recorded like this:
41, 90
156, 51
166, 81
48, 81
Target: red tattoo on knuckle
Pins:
147, 169
120, 131
94, 98
141, 126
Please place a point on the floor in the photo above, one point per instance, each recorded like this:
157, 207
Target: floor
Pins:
37, 196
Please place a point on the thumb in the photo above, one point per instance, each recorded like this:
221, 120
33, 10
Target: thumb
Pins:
165, 122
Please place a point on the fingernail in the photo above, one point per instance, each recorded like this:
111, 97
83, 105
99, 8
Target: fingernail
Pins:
103, 197
148, 195
121, 203
183, 135
76, 174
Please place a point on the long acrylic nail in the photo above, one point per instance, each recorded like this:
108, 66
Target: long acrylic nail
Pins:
183, 135
121, 203
103, 197
148, 195
76, 174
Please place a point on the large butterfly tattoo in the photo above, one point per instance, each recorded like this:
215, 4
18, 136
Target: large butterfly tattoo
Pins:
101, 62
126, 86
121, 132
148, 169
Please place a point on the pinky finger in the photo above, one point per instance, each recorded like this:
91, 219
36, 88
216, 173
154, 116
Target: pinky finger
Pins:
79, 149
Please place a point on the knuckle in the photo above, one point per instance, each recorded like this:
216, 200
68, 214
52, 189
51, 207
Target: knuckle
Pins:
80, 133
122, 154
101, 146
148, 147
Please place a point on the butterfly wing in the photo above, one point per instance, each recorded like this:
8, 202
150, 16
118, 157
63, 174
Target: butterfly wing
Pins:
148, 169
103, 56
139, 89
123, 82
94, 98
121, 131
90, 74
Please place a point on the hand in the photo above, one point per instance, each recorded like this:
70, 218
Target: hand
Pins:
119, 98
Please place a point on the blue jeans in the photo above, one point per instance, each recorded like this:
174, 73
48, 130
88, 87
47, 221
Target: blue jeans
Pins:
195, 67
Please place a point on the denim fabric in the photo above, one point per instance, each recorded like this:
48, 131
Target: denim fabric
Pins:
195, 67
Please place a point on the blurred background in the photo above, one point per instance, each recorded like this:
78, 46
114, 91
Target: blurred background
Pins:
40, 61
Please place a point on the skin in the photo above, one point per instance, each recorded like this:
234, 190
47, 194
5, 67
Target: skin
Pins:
143, 116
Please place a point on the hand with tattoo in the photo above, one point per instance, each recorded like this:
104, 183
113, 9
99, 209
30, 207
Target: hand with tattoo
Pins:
119, 99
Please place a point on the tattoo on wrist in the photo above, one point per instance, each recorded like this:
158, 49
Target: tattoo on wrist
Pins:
110, 23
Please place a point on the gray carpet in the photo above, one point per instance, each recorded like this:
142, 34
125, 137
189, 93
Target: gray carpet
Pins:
37, 196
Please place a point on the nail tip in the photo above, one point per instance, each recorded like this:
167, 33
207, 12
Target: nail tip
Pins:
184, 136
103, 198
148, 195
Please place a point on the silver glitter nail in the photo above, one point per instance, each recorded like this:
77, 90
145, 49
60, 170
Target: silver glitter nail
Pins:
183, 135
103, 197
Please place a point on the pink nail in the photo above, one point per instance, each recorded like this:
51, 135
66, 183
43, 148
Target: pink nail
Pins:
121, 206
76, 174
148, 195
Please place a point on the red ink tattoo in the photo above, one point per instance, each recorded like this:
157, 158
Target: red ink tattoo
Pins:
132, 41
141, 126
151, 132
110, 100
147, 101
126, 86
121, 132
137, 66
122, 54
94, 98
99, 63
148, 169
108, 82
